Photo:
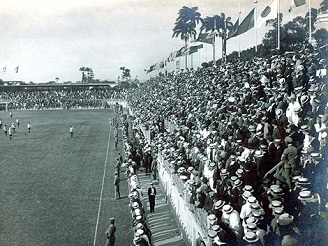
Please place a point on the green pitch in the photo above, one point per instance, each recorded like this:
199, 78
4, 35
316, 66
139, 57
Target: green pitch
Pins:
50, 183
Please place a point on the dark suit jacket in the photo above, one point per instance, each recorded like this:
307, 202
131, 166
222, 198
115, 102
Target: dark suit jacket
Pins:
149, 191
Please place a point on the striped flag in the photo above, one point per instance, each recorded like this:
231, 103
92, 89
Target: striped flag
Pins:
269, 13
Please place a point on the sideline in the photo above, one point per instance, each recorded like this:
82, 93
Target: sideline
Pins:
102, 186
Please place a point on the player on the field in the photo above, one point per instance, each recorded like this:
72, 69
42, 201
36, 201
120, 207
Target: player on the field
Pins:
29, 127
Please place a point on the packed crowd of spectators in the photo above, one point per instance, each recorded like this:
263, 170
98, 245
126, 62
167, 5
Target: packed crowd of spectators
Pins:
62, 99
249, 140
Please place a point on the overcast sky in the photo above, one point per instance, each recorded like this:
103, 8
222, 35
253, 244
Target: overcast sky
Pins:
49, 39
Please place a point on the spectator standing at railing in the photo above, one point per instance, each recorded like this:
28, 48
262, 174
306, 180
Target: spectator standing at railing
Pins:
117, 186
110, 233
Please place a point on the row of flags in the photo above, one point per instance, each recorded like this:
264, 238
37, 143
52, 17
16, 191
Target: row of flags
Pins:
4, 69
183, 51
269, 12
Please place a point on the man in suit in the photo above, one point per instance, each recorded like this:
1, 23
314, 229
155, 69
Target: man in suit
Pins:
110, 233
152, 196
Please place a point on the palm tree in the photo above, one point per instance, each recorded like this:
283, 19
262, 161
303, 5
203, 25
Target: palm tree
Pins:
220, 26
185, 25
82, 69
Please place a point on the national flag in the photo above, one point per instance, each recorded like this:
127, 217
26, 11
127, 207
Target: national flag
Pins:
4, 69
232, 33
195, 48
246, 24
16, 69
269, 13
205, 38
296, 3
182, 51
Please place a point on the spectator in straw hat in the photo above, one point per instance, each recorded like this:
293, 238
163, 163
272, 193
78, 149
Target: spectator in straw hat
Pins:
232, 219
287, 227
251, 239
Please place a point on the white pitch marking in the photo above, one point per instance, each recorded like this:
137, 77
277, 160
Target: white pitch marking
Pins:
102, 189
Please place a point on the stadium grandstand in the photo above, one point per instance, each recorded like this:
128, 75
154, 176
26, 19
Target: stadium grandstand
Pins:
238, 146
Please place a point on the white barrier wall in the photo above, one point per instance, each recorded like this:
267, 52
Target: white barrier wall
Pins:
192, 221
187, 217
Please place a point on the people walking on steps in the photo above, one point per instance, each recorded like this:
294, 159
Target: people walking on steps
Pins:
152, 197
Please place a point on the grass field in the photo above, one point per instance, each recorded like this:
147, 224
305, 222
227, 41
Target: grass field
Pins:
50, 184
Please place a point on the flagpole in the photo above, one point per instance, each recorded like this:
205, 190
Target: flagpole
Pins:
278, 23
255, 20
310, 23
239, 13
214, 63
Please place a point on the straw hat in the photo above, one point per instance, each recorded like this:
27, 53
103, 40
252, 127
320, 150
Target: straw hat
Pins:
250, 237
257, 214
227, 209
246, 195
285, 219
305, 195
219, 204
278, 211
251, 199
248, 188
212, 234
